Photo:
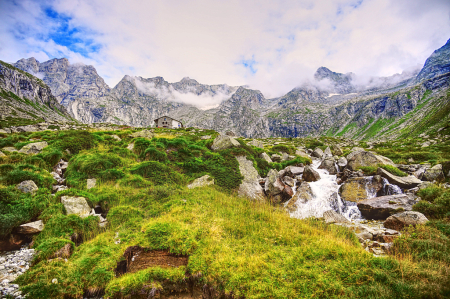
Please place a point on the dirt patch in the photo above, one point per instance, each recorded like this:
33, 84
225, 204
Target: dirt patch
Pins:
137, 258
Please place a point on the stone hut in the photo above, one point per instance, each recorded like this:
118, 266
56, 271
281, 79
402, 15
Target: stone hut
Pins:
168, 122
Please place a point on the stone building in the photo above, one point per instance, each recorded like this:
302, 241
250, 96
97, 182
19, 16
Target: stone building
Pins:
168, 122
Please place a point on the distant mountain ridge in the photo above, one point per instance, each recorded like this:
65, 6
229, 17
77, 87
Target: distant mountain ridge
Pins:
336, 102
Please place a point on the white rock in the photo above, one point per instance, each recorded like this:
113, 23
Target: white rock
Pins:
76, 205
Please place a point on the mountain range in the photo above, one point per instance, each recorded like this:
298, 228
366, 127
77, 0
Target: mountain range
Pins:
334, 104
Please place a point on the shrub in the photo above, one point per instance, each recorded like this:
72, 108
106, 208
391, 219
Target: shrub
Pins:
394, 170
127, 216
24, 172
92, 164
158, 173
430, 193
439, 208
151, 153
283, 148
48, 247
75, 141
368, 170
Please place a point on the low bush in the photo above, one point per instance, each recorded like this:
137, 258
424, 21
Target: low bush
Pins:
437, 209
158, 173
394, 170
75, 141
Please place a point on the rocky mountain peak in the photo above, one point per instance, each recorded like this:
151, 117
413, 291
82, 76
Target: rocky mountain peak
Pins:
187, 80
437, 64
341, 83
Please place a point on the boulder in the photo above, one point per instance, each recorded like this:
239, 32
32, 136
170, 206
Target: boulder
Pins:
380, 208
310, 175
354, 189
434, 173
289, 181
250, 186
331, 216
9, 149
318, 153
327, 153
27, 186
403, 182
265, 157
76, 205
337, 151
276, 158
256, 143
342, 163
222, 142
116, 137
30, 228
285, 157
203, 181
143, 134
363, 158
33, 148
130, 146
293, 171
303, 195
329, 165
2, 154
275, 188
91, 183
301, 153
404, 219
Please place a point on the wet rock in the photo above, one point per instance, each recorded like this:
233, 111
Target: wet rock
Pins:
265, 157
27, 186
362, 158
256, 143
33, 148
332, 216
329, 165
354, 189
250, 186
404, 219
222, 142
91, 183
275, 188
203, 181
289, 181
76, 205
303, 195
30, 228
318, 153
310, 175
382, 207
143, 134
435, 173
403, 182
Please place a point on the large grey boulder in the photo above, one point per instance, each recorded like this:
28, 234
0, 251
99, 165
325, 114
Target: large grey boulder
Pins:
362, 158
275, 189
222, 142
256, 143
27, 186
265, 157
327, 153
76, 205
342, 163
403, 182
329, 165
405, 219
337, 151
33, 148
331, 216
293, 171
250, 186
434, 173
380, 208
203, 181
318, 153
310, 175
144, 134
30, 228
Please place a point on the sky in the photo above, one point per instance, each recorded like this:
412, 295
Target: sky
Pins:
269, 45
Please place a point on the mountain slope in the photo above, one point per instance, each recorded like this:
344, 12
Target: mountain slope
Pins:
25, 99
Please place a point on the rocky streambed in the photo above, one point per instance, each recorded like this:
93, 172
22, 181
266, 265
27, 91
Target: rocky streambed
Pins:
12, 265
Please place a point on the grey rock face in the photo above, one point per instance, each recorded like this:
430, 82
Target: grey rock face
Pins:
404, 219
363, 158
33, 148
223, 142
27, 186
76, 205
437, 64
203, 181
31, 228
403, 182
341, 82
250, 186
380, 208
310, 175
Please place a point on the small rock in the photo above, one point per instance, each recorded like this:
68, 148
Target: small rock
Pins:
143, 134
91, 183
310, 175
404, 219
27, 186
318, 153
130, 146
33, 148
203, 181
332, 216
222, 142
265, 157
31, 227
76, 205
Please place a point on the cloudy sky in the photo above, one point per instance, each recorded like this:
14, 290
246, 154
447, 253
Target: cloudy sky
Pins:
269, 45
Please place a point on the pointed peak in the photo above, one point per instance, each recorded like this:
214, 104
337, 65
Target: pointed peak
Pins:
188, 80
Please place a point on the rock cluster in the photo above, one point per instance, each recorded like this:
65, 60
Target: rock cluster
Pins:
12, 265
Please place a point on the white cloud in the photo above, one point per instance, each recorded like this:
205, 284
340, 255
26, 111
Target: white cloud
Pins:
283, 41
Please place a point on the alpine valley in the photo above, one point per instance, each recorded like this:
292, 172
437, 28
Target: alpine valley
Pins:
389, 107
